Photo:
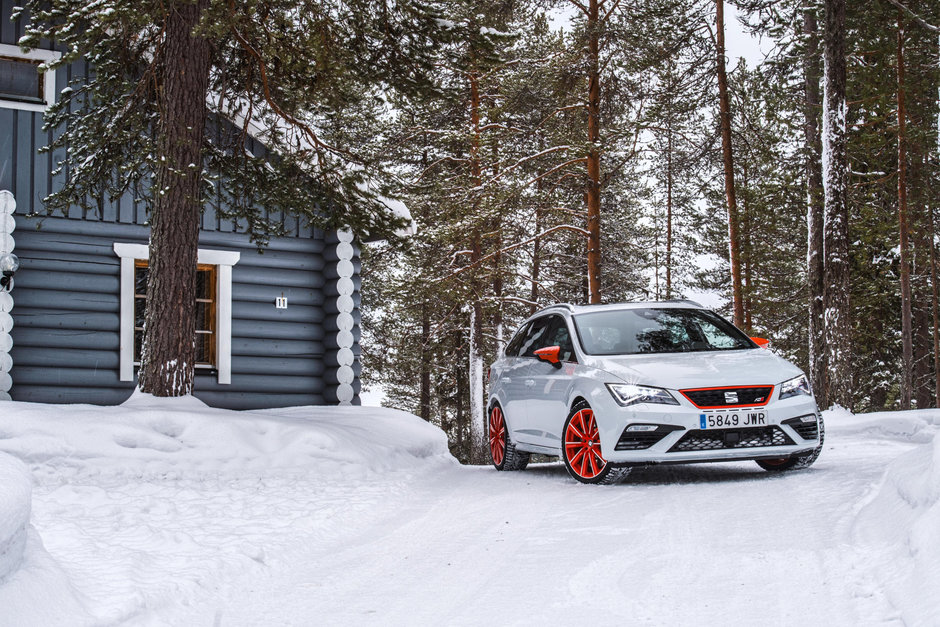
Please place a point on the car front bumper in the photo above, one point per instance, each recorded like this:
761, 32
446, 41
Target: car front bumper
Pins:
685, 433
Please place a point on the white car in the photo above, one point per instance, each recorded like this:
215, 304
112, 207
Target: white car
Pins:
608, 387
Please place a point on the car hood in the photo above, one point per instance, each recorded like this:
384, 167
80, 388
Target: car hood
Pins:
678, 371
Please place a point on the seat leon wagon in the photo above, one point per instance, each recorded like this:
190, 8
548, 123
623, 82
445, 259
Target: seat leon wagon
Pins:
608, 387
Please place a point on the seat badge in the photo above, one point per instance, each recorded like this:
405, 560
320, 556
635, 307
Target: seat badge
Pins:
731, 398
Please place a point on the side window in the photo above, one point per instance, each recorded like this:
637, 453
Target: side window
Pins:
512, 349
717, 338
536, 337
558, 335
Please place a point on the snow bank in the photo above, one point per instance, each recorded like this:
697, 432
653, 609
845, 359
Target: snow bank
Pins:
147, 436
15, 495
920, 426
148, 506
901, 521
39, 592
33, 588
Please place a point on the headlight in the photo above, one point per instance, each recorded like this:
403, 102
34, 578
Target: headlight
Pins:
797, 386
629, 394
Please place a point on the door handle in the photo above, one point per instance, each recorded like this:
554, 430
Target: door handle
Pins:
529, 382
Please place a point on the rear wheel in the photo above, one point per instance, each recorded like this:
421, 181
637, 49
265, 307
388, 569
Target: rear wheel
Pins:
796, 462
503, 452
581, 449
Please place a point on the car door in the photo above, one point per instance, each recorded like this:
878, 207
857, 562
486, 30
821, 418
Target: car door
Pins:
519, 389
510, 382
546, 386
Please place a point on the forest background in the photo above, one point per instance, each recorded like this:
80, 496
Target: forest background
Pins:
611, 156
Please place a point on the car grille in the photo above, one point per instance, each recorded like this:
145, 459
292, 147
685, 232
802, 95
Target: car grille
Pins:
706, 398
807, 430
639, 440
752, 437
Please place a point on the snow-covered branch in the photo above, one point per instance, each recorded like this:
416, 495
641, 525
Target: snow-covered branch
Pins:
918, 19
554, 229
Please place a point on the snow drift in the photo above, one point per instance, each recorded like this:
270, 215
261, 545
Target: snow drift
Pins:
149, 506
147, 436
15, 498
33, 588
902, 521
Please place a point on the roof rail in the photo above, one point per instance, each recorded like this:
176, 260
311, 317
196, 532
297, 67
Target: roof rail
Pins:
684, 301
567, 306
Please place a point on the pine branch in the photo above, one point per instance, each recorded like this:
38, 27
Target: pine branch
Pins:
918, 19
555, 169
563, 227
318, 144
581, 6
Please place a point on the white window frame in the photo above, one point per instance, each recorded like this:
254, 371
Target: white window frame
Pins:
223, 260
44, 56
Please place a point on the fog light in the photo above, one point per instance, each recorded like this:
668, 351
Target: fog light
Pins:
642, 428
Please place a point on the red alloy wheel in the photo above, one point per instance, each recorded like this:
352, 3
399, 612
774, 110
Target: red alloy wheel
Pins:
497, 436
583, 446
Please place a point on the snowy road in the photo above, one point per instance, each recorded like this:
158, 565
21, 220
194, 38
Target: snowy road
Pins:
708, 545
315, 516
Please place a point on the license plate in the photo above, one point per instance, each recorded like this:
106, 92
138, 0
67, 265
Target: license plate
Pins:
732, 419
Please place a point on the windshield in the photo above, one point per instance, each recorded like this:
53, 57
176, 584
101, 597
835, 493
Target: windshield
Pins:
648, 330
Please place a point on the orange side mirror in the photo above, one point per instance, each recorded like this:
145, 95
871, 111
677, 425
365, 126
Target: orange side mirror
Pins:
761, 341
549, 354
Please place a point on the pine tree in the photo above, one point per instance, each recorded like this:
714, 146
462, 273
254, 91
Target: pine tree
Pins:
303, 77
836, 225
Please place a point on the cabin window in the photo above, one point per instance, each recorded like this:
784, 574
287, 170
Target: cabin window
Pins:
22, 84
206, 295
213, 309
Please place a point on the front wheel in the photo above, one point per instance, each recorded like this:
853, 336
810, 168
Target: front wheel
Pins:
581, 449
503, 452
796, 462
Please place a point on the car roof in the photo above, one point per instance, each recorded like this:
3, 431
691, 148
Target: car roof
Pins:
579, 309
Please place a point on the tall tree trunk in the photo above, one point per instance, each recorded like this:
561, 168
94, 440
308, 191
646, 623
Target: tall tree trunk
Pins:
536, 254
836, 229
477, 410
815, 274
497, 229
907, 340
475, 366
935, 306
921, 294
167, 362
669, 212
593, 191
724, 108
425, 364
748, 288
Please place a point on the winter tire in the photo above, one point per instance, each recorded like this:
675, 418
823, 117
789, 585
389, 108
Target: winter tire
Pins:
796, 462
503, 452
581, 449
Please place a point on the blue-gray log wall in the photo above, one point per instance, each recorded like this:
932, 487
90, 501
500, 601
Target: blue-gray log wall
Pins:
67, 291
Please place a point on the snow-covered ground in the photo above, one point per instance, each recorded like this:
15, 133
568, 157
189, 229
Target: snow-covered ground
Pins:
172, 513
